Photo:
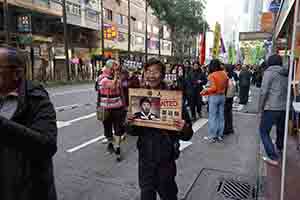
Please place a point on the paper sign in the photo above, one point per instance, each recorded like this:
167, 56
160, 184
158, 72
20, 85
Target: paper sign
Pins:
155, 108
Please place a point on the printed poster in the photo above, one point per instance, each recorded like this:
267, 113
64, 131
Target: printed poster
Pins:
155, 108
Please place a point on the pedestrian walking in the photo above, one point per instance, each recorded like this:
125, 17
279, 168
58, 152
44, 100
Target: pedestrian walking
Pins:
189, 91
111, 102
218, 81
28, 133
198, 80
158, 149
230, 93
272, 107
244, 84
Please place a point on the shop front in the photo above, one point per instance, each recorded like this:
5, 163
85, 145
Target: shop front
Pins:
284, 183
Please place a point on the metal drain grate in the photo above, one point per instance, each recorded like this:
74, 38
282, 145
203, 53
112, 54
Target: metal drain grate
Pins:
236, 190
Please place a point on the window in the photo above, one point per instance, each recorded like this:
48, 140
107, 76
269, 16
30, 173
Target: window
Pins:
73, 9
155, 30
167, 46
108, 14
139, 26
92, 15
121, 19
139, 40
149, 28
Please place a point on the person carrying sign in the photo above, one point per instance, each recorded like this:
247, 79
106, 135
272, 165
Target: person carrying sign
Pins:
158, 149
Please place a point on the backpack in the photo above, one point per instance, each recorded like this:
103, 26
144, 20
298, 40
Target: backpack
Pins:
231, 88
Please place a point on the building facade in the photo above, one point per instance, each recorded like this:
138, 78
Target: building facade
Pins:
37, 26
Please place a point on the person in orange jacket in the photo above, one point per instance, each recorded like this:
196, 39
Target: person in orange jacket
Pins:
218, 81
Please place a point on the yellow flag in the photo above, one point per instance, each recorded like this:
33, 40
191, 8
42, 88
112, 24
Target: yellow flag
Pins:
217, 38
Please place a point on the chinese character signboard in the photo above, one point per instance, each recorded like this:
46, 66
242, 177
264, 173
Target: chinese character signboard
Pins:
110, 32
155, 108
24, 23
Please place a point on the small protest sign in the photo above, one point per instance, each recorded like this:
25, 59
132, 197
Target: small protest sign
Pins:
155, 108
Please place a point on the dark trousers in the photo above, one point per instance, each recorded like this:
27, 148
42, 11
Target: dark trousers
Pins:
228, 116
244, 94
158, 178
268, 119
114, 120
196, 104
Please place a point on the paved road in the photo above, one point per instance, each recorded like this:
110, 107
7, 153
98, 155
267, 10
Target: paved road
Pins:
84, 171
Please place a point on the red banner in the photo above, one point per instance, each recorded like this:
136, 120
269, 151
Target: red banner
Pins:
202, 48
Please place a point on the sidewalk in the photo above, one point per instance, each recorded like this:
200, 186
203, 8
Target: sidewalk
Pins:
229, 170
272, 175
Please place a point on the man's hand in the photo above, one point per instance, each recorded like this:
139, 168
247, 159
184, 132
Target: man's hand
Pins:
179, 124
203, 92
130, 118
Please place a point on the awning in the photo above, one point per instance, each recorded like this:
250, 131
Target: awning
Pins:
285, 9
247, 36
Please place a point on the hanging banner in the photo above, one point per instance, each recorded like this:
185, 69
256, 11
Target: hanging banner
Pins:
267, 20
155, 108
217, 39
202, 48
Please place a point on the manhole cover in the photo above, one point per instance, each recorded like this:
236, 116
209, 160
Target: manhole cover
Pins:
236, 190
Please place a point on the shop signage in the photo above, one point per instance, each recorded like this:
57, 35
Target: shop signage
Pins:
284, 12
24, 23
110, 32
155, 108
24, 39
247, 36
274, 6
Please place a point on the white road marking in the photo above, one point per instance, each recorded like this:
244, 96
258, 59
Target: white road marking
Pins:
61, 124
184, 145
199, 124
196, 126
66, 107
71, 92
86, 144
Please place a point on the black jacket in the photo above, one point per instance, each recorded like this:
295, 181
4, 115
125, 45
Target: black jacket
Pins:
245, 78
159, 146
198, 75
27, 145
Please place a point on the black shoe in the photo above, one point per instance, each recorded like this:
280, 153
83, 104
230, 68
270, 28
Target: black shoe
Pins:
118, 154
199, 115
110, 148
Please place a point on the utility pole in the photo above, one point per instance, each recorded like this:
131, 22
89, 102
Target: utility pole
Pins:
67, 64
102, 31
146, 31
6, 21
129, 28
159, 40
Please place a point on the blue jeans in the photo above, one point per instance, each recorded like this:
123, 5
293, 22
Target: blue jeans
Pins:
268, 119
216, 115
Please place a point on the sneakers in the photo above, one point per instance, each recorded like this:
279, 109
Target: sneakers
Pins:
211, 140
220, 139
118, 154
110, 148
270, 161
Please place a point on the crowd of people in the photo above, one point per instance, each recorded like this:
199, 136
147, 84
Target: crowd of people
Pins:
29, 130
158, 148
